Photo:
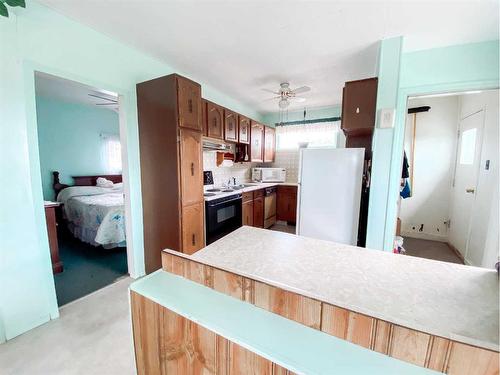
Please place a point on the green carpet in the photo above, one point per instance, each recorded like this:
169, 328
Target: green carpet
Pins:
86, 268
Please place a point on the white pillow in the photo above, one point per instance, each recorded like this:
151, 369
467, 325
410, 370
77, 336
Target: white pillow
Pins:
104, 182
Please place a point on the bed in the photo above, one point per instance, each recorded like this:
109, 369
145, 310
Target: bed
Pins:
93, 214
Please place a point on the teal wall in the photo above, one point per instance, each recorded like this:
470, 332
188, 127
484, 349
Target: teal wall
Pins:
465, 67
69, 140
311, 114
39, 39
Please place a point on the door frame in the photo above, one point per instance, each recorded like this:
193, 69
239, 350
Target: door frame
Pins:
404, 94
125, 100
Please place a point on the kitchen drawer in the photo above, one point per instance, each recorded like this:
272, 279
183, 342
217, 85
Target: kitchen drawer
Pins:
247, 196
258, 193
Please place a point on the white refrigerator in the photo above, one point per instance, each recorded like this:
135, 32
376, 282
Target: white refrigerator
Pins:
330, 193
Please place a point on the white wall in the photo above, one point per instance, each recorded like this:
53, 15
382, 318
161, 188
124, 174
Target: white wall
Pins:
435, 143
482, 249
241, 171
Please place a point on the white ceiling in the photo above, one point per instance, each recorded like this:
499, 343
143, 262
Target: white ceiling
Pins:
73, 92
242, 46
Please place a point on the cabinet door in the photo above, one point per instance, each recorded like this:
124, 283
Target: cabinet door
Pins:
359, 105
191, 167
247, 209
230, 126
192, 228
244, 130
269, 144
215, 121
256, 143
286, 207
204, 116
189, 104
258, 212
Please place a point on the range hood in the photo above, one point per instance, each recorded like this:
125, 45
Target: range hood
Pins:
215, 145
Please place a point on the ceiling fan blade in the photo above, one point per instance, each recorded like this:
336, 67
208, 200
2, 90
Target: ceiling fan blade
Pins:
302, 89
271, 91
103, 98
114, 104
297, 99
273, 98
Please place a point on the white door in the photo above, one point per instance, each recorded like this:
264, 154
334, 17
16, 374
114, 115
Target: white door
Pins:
330, 193
466, 176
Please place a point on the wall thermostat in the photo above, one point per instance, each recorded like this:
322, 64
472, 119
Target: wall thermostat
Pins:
386, 118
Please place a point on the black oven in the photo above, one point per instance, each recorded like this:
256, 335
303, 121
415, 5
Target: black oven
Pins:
222, 215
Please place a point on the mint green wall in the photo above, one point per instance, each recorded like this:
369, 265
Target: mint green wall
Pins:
465, 67
39, 39
312, 113
69, 140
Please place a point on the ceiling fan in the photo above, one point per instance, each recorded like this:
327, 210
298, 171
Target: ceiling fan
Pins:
111, 100
286, 95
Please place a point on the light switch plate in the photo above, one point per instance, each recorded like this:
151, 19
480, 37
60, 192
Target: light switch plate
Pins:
386, 118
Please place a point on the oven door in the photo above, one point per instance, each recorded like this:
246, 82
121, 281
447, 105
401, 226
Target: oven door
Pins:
222, 217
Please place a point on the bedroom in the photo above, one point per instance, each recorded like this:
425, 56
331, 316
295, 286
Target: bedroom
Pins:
78, 137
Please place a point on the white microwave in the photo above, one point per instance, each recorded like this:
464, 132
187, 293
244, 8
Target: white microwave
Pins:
269, 174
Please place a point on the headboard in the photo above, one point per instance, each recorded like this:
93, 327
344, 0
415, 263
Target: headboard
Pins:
83, 180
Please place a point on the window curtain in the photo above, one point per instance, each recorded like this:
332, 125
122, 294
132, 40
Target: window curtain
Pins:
322, 134
112, 153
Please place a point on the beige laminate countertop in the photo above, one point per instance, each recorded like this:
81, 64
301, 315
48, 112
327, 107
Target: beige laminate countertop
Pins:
444, 299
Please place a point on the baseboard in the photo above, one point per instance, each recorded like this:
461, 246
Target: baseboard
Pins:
425, 236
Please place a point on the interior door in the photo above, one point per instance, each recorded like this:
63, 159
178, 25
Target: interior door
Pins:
191, 167
466, 175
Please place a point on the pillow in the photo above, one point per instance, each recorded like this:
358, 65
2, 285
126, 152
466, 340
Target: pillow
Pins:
104, 182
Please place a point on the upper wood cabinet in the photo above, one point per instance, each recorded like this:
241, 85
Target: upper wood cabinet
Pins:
215, 121
189, 104
191, 166
269, 144
257, 143
244, 130
230, 126
359, 106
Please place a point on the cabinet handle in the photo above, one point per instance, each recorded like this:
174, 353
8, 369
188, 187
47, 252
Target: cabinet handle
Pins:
190, 105
215, 122
193, 239
192, 169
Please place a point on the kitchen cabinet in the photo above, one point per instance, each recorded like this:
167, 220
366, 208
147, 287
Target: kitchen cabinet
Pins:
230, 126
215, 121
359, 106
170, 129
286, 207
189, 104
258, 209
244, 130
247, 212
269, 144
192, 230
256, 143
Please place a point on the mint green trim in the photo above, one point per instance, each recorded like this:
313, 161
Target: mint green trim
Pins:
298, 115
301, 349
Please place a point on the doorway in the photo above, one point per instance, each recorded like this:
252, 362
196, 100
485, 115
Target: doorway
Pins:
448, 202
80, 155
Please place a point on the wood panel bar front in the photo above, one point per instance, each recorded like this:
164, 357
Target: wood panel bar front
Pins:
399, 342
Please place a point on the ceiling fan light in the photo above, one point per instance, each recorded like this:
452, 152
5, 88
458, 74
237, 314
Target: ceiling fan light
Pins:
283, 103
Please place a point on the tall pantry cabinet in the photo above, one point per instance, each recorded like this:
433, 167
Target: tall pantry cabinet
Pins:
170, 131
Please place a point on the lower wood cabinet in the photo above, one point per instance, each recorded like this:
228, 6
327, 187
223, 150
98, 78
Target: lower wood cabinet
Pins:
192, 228
286, 206
258, 212
247, 209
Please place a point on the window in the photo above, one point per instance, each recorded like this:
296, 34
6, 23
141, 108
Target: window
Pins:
322, 134
468, 147
112, 153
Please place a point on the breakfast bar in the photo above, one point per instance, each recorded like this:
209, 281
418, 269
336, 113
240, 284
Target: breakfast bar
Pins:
434, 315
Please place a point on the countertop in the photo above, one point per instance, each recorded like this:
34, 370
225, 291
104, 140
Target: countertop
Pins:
254, 186
449, 300
271, 336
